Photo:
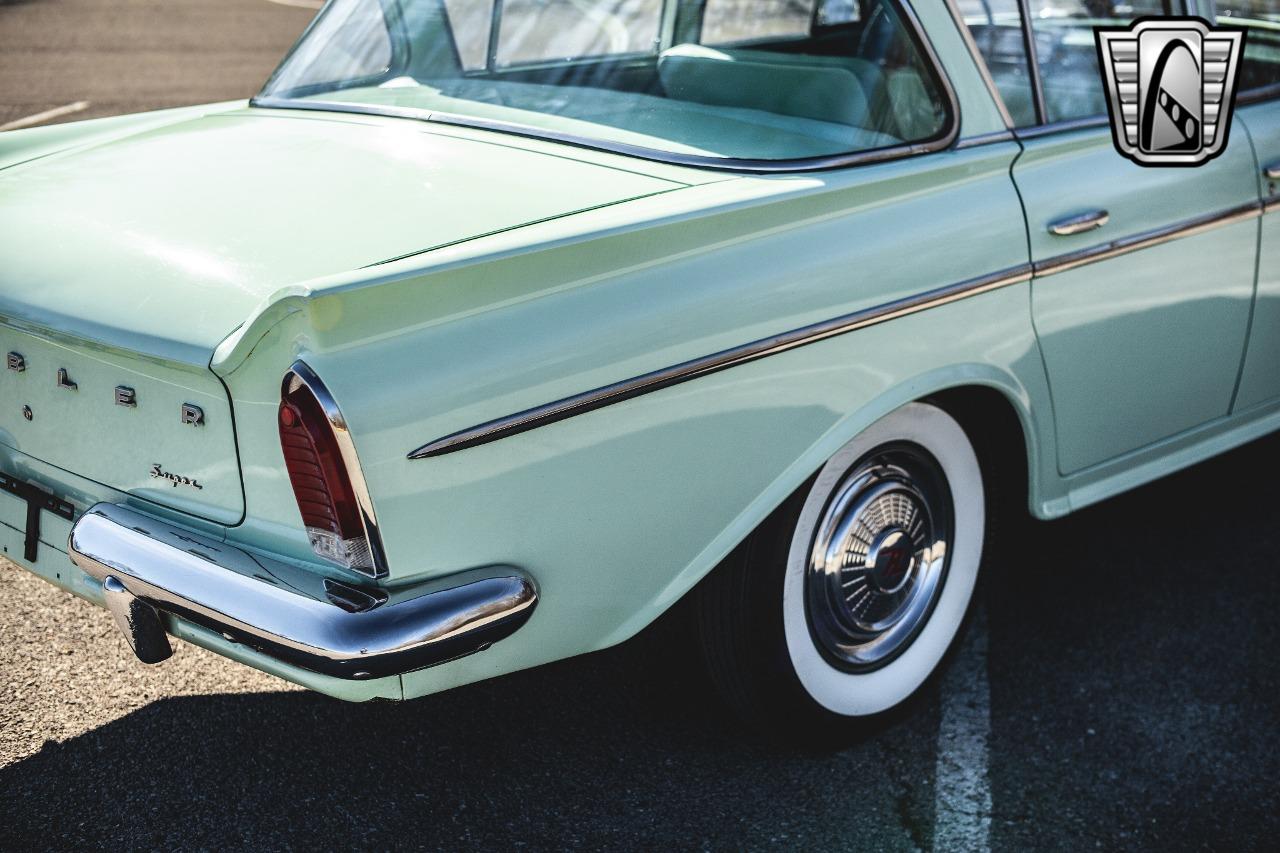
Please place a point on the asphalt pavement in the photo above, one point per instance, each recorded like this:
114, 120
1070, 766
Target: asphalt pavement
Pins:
1120, 690
121, 56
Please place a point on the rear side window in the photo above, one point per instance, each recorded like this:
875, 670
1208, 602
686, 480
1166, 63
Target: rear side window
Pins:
1260, 66
828, 67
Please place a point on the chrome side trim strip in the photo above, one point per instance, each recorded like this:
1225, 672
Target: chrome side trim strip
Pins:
617, 392
301, 372
1271, 205
1147, 239
284, 611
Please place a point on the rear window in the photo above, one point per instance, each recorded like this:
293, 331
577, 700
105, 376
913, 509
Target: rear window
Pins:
725, 80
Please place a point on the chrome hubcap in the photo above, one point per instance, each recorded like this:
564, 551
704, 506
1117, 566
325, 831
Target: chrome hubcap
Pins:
879, 557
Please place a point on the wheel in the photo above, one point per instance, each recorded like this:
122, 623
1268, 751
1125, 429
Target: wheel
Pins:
844, 601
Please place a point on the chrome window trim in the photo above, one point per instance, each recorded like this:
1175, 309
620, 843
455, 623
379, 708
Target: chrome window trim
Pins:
342, 434
980, 61
985, 139
1033, 61
719, 164
1064, 126
1269, 92
706, 365
944, 139
626, 389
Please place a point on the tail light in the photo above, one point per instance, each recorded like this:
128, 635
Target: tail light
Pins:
325, 475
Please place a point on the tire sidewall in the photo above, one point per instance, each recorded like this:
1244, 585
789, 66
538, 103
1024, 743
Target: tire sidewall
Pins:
865, 693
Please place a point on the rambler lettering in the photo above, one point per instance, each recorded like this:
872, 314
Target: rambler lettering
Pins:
175, 479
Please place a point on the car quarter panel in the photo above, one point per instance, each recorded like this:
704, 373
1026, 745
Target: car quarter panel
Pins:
617, 512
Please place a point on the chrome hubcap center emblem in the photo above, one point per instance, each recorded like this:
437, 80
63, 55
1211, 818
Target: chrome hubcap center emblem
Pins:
891, 561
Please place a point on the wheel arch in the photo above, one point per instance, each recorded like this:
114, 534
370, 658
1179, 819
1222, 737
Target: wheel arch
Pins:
974, 394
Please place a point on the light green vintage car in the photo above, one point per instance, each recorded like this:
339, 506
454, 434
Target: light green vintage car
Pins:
489, 331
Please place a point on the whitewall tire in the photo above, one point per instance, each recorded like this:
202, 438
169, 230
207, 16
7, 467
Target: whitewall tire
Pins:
843, 603
858, 691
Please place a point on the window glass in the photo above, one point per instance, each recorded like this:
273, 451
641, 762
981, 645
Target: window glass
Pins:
549, 30
469, 21
350, 42
1067, 55
996, 26
594, 71
832, 13
1261, 63
729, 21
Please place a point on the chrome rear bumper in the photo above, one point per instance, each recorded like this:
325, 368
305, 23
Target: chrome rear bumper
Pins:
285, 612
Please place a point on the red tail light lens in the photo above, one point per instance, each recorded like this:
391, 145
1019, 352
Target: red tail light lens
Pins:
325, 475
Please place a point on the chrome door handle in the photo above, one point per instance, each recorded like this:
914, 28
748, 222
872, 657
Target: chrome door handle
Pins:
1271, 171
1079, 223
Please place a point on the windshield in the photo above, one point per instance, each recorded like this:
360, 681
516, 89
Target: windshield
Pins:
707, 81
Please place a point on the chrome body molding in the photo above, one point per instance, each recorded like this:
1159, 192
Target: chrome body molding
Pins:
626, 389
287, 612
1147, 239
303, 374
665, 377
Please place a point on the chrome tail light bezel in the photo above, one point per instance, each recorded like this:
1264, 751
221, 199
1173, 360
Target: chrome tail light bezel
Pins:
301, 374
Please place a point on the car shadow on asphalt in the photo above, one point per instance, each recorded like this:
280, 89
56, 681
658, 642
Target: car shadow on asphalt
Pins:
611, 749
1134, 691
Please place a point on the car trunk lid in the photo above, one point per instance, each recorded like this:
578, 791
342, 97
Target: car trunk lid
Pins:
125, 263
161, 431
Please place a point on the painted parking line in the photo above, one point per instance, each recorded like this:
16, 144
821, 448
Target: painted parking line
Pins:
301, 4
47, 115
962, 810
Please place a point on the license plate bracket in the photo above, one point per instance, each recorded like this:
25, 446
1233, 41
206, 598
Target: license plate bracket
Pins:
38, 501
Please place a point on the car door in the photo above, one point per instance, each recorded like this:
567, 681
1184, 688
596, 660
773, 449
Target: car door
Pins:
1259, 110
1144, 276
